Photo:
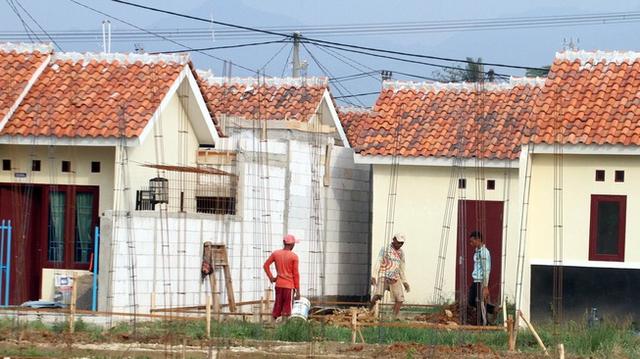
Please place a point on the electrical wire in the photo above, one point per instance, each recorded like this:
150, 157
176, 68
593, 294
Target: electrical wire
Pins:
358, 95
26, 27
326, 42
152, 33
274, 56
38, 24
218, 47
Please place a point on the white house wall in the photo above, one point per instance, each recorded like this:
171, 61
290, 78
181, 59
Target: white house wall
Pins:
419, 214
579, 185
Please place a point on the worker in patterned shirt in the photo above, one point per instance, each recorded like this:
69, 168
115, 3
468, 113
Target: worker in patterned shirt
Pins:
388, 274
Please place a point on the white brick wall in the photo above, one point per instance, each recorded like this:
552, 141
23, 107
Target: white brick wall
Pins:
345, 221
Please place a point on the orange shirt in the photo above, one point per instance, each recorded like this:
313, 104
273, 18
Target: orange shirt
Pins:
286, 267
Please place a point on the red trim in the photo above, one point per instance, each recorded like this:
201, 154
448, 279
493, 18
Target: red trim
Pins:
593, 228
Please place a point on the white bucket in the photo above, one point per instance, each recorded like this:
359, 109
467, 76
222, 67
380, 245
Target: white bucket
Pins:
301, 308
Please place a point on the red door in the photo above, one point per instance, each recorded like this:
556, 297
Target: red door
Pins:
22, 204
486, 217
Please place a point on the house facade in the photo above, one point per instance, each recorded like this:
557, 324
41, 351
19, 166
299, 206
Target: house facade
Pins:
545, 168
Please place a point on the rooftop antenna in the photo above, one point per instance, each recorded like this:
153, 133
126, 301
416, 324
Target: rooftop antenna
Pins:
106, 36
138, 48
570, 44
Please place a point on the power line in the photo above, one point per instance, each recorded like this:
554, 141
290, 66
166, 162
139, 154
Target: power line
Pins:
163, 37
358, 94
273, 57
218, 47
24, 24
364, 29
324, 42
38, 24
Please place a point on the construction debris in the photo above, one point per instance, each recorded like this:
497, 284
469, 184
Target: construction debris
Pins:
343, 317
446, 315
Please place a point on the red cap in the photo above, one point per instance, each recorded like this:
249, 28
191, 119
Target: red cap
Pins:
290, 239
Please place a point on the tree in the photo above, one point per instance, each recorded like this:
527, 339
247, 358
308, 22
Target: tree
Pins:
472, 72
541, 72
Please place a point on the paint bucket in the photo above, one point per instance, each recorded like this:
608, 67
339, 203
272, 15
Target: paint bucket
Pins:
301, 308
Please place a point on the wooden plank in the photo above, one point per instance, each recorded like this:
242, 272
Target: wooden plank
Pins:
535, 334
72, 307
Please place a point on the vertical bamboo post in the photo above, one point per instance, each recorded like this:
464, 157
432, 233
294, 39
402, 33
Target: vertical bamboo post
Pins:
208, 316
535, 334
354, 323
510, 330
72, 306
561, 351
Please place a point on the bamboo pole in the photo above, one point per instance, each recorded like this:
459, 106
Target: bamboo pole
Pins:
72, 306
561, 351
208, 316
535, 334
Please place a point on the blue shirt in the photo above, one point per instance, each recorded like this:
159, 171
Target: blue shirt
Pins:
481, 266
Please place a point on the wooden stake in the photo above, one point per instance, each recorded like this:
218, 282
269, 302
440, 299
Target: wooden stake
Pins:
561, 351
72, 306
208, 316
354, 324
510, 330
516, 330
535, 334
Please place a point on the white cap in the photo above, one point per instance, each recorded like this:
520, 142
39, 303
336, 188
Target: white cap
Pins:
400, 237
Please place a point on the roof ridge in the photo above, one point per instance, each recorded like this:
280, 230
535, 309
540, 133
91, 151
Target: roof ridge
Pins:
598, 56
127, 58
354, 109
462, 86
213, 80
22, 47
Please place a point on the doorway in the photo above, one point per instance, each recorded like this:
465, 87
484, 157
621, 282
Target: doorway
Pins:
52, 228
486, 217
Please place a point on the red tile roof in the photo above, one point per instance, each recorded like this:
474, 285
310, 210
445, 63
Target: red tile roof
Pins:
590, 98
446, 120
353, 120
18, 64
273, 99
91, 95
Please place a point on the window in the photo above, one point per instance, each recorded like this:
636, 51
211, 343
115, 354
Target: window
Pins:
619, 177
462, 183
35, 165
599, 175
6, 165
83, 244
491, 184
55, 246
66, 166
607, 229
216, 205
95, 167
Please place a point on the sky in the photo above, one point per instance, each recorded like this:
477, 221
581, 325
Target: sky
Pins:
516, 46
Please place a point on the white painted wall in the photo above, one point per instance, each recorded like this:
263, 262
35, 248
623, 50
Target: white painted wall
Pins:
578, 186
51, 158
419, 214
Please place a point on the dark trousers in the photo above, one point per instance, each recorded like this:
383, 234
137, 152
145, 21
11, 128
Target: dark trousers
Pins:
475, 298
282, 305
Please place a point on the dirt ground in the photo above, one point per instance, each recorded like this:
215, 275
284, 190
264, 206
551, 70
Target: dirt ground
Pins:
241, 349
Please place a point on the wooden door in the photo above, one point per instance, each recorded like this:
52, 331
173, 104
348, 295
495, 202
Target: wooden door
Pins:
22, 204
486, 217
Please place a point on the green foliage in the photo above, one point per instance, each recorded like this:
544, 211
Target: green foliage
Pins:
472, 72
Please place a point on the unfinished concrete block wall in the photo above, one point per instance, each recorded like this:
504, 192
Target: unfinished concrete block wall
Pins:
280, 204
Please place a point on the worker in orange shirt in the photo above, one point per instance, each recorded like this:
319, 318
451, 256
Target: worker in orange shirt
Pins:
287, 279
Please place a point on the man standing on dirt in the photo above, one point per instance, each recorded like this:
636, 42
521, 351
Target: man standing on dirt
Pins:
479, 290
287, 277
388, 274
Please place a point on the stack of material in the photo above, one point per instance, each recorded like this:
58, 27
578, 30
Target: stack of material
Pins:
446, 315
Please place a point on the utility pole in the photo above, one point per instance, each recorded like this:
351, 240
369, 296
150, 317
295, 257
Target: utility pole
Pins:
106, 36
295, 72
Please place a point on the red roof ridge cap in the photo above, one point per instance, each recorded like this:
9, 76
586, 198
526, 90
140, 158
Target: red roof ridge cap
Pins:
22, 47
